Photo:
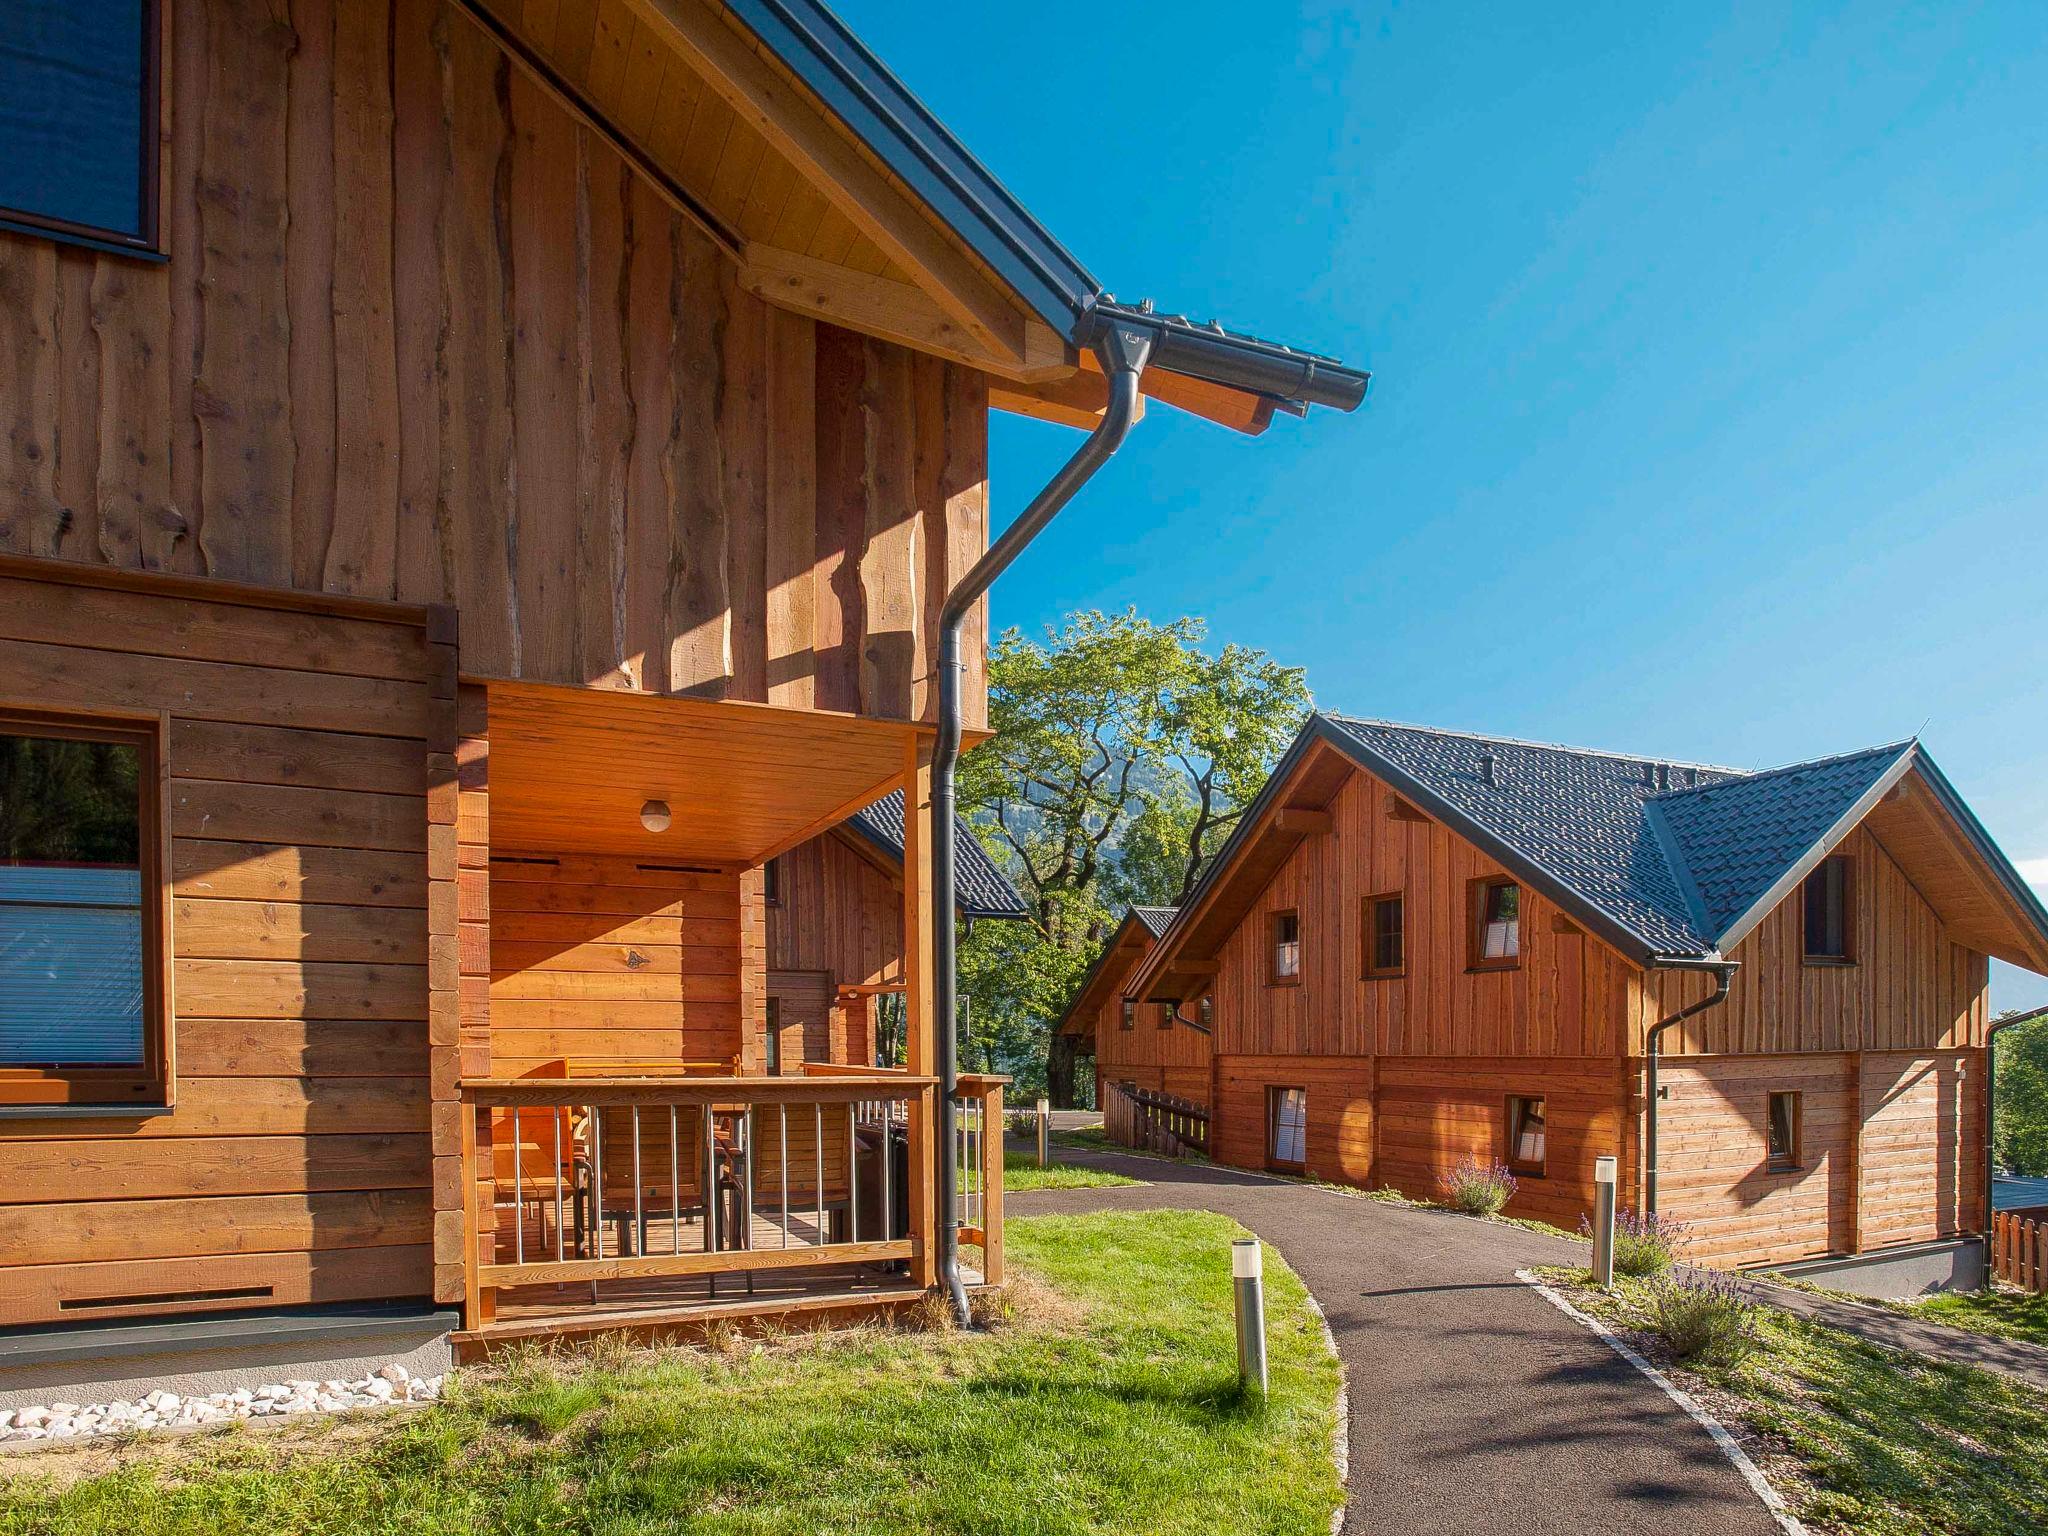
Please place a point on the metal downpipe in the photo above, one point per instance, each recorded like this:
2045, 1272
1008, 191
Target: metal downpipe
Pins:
1724, 973
1123, 350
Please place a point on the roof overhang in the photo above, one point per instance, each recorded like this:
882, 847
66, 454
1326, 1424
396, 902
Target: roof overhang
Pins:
570, 769
725, 106
1127, 945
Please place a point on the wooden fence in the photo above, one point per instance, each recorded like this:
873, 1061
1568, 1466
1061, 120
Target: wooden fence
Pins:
1154, 1122
2019, 1247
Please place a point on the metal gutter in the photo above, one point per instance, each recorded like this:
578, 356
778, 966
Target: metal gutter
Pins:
1724, 974
1123, 351
1991, 1035
964, 196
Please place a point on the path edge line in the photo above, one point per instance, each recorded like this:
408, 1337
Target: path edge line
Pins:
1730, 1447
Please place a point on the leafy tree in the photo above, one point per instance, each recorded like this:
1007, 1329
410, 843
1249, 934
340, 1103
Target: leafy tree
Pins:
2020, 1116
1124, 755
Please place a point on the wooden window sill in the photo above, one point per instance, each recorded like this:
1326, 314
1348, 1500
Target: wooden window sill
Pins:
1284, 981
1828, 962
1383, 975
1488, 967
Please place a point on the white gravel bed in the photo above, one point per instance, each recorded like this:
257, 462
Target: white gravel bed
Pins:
166, 1410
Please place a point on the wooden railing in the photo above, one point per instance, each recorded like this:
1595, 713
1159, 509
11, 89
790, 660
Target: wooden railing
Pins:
1154, 1122
2019, 1247
605, 1179
978, 1150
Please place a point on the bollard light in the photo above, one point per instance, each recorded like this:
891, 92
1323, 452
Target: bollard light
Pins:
1604, 1171
1044, 1129
1247, 1274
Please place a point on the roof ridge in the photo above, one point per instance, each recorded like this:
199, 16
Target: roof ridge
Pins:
1890, 747
1539, 746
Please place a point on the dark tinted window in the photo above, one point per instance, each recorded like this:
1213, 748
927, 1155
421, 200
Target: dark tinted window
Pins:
1827, 911
76, 140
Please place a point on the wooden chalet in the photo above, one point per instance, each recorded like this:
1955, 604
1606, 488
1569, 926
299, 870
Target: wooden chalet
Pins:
1423, 947
478, 488
1138, 1045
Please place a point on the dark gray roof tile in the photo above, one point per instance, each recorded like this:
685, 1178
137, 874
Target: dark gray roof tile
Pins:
984, 890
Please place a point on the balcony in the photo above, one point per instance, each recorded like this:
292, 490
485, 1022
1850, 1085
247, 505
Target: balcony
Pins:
659, 1204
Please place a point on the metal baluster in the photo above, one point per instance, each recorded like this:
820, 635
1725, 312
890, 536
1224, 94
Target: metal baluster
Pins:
639, 1189
518, 1196
888, 1177
675, 1185
818, 1117
852, 1175
710, 1195
557, 1114
747, 1189
596, 1186
782, 1110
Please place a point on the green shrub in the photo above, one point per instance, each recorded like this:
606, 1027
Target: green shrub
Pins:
1478, 1189
1705, 1318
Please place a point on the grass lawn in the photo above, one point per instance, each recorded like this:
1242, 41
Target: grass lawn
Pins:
2009, 1314
1021, 1172
1863, 1439
1106, 1402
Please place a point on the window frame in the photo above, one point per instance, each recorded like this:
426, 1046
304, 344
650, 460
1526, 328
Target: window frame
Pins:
771, 1038
1275, 1095
1205, 1011
1846, 863
1127, 1013
1475, 934
1511, 1126
1273, 920
150, 1083
771, 881
1369, 968
1793, 1160
149, 244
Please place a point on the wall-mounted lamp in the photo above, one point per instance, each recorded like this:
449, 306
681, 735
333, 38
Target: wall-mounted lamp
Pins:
654, 816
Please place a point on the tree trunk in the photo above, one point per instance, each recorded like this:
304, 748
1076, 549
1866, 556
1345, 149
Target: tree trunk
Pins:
1059, 1071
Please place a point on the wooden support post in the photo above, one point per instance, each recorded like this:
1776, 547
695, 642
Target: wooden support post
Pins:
992, 1184
920, 1026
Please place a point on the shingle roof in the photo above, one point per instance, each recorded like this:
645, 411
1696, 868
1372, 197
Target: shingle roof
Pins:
1668, 858
984, 890
1155, 919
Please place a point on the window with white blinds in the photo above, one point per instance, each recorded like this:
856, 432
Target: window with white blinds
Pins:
76, 1000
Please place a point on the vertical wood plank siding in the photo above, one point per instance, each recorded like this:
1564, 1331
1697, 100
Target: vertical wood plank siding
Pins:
309, 766
423, 336
1174, 1061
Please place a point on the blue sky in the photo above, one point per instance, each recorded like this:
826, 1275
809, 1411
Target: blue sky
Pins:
1710, 353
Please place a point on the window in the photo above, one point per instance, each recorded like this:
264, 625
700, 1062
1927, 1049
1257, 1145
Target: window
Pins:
1496, 924
81, 913
79, 121
1287, 1127
1827, 912
1286, 948
1784, 1133
1127, 1015
1205, 1011
1165, 1013
771, 1055
771, 882
1525, 1136
1383, 927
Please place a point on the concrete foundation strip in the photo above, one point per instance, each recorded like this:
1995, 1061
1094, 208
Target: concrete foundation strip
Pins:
1730, 1447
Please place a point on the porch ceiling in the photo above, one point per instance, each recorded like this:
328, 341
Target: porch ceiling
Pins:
571, 767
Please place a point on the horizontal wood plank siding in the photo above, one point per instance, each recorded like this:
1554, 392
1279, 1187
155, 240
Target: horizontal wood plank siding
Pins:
424, 336
295, 1164
655, 975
